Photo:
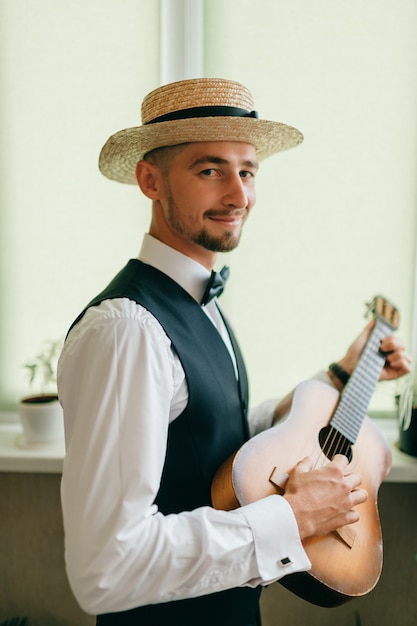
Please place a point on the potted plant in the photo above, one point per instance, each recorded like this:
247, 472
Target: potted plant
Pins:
407, 415
41, 413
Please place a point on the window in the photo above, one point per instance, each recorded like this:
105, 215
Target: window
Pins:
73, 73
336, 218
335, 221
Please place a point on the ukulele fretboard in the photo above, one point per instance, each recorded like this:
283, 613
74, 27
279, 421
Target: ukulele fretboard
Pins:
354, 401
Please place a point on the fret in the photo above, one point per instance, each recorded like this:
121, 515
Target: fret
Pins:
355, 398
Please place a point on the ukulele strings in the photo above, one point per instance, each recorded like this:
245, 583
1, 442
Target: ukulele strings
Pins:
335, 443
371, 363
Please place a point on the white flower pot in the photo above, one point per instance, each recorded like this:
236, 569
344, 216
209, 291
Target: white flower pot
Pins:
42, 419
407, 419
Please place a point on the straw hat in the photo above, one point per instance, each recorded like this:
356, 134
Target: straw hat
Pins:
202, 109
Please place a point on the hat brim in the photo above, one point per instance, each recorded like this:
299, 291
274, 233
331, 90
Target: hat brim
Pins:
122, 151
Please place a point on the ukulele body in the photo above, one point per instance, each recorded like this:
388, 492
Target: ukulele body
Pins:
348, 562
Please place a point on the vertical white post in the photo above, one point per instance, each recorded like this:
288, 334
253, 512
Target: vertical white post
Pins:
182, 40
414, 317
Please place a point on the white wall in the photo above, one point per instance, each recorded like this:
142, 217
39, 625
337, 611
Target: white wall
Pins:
336, 218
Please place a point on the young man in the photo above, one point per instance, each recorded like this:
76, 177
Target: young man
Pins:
155, 393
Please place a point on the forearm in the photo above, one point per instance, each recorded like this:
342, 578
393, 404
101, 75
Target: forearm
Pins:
283, 406
161, 558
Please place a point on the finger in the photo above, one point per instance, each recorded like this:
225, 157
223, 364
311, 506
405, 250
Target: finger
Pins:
398, 360
359, 496
353, 480
305, 465
341, 461
395, 367
350, 517
391, 343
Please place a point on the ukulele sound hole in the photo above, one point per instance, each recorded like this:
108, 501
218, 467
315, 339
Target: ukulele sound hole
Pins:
332, 442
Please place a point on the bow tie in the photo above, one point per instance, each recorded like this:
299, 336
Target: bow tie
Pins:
215, 285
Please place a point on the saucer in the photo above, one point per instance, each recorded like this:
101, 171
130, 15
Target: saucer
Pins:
41, 445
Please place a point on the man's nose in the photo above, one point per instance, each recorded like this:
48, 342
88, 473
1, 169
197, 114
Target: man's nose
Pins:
236, 193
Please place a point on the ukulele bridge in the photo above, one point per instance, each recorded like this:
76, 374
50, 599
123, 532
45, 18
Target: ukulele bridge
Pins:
279, 478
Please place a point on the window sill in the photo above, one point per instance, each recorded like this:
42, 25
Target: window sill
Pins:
48, 459
404, 466
15, 457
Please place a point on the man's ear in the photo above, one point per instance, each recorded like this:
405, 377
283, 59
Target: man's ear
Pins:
149, 179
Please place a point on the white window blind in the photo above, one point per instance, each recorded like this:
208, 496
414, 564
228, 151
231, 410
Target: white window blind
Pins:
336, 218
72, 74
335, 221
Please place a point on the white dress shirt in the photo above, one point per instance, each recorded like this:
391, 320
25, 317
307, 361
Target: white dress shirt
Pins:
120, 384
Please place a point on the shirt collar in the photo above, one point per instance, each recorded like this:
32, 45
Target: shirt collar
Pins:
189, 274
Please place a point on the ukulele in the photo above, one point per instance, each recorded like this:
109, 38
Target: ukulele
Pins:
346, 563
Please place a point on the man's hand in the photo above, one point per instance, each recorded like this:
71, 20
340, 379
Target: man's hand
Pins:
323, 499
398, 361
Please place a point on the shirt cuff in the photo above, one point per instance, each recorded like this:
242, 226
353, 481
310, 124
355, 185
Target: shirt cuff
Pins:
278, 547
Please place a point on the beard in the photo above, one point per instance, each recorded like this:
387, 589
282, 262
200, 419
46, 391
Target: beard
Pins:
228, 241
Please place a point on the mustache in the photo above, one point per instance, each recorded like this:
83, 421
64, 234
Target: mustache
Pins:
225, 212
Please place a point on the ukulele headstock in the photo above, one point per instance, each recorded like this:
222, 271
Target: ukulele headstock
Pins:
382, 309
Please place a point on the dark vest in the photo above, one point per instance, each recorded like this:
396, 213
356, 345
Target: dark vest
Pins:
210, 429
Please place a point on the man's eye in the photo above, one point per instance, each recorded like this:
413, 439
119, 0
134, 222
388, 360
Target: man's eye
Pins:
209, 172
246, 174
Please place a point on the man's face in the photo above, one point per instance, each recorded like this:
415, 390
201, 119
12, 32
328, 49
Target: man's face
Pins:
208, 192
